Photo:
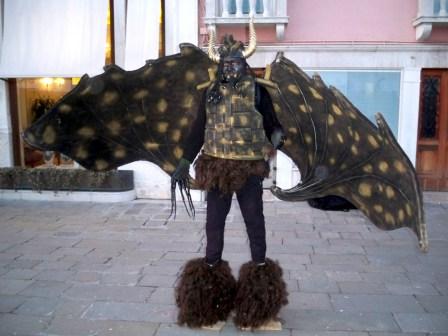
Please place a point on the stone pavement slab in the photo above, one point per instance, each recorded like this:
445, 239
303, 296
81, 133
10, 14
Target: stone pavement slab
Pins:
112, 270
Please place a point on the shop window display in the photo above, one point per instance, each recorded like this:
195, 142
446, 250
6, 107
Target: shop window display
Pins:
35, 98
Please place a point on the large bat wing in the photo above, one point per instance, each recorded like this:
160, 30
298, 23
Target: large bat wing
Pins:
123, 116
340, 152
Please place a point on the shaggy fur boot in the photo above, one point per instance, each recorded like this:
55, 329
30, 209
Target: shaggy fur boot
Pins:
260, 295
205, 294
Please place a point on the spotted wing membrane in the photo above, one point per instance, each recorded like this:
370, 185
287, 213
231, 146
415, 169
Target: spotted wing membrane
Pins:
123, 116
340, 152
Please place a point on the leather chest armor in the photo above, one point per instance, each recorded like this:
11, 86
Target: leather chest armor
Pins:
234, 128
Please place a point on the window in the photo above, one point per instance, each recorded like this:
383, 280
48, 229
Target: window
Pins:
245, 7
369, 91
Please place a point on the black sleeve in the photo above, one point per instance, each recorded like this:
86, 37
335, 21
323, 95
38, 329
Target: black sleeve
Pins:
264, 105
196, 138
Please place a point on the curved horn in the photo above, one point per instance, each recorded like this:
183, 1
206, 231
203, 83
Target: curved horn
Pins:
214, 56
252, 40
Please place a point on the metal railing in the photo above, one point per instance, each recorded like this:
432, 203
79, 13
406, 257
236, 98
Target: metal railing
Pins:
430, 13
225, 12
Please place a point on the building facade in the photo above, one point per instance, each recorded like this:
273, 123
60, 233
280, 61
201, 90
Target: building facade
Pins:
386, 56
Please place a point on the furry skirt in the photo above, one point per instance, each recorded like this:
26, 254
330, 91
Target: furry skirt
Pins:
227, 175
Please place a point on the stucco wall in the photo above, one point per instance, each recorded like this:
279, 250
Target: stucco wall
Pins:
330, 21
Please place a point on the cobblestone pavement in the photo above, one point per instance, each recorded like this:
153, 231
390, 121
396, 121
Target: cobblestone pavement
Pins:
109, 269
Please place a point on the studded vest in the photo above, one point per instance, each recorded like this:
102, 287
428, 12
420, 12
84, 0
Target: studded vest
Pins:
234, 128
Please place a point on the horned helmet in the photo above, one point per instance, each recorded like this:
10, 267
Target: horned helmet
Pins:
230, 47
231, 56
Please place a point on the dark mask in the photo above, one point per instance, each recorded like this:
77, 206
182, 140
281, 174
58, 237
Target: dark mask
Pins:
233, 69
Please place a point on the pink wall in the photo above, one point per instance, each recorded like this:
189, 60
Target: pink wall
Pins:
351, 20
341, 21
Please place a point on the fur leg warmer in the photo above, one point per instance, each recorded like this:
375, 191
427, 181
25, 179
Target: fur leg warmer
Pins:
205, 294
260, 295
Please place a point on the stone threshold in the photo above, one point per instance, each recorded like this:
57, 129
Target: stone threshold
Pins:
69, 196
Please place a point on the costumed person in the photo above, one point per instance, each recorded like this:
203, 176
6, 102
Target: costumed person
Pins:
232, 130
166, 110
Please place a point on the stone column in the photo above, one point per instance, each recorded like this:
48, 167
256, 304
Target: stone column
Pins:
409, 109
6, 155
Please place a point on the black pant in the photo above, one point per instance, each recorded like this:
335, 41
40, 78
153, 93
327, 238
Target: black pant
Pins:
251, 203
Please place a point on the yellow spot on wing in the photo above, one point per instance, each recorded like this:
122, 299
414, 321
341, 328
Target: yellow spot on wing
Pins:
365, 189
168, 167
101, 164
277, 108
372, 141
147, 72
81, 153
183, 122
378, 208
49, 135
161, 83
178, 152
109, 98
330, 120
162, 127
308, 139
383, 166
171, 63
368, 168
64, 108
141, 94
340, 137
401, 215
408, 209
86, 132
190, 76
31, 137
120, 153
114, 127
399, 166
139, 119
389, 218
354, 150
315, 93
86, 90
390, 193
188, 102
117, 76
151, 145
336, 109
162, 105
293, 88
176, 135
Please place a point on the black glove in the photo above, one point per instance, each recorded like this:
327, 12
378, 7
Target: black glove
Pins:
278, 138
182, 171
180, 178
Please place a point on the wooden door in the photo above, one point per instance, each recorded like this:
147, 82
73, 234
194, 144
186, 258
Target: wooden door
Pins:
432, 144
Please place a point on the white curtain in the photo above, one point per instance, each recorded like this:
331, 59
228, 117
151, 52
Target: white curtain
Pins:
181, 24
53, 38
142, 32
